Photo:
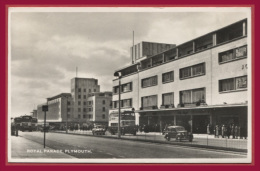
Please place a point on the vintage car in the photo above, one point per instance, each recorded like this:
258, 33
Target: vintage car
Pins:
177, 132
98, 130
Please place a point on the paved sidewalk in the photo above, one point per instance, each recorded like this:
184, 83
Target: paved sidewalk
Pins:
23, 148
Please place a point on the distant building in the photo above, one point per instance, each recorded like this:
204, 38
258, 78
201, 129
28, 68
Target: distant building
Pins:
34, 113
80, 90
98, 105
84, 104
58, 108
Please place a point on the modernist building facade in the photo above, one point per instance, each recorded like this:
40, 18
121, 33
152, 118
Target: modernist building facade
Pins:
98, 106
85, 104
200, 82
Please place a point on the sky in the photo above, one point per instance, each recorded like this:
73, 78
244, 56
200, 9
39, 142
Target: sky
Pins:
46, 47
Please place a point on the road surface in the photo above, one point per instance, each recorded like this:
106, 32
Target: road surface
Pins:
98, 147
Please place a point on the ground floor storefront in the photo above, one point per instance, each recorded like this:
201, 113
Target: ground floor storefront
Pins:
198, 120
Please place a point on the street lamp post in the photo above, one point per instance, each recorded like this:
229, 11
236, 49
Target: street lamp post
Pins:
67, 116
118, 74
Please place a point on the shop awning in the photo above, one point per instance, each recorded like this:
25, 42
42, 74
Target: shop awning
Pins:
192, 108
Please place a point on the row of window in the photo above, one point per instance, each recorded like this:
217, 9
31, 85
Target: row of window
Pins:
85, 90
188, 72
89, 116
192, 96
89, 109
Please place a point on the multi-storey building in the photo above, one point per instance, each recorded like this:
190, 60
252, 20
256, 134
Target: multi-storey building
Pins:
200, 82
80, 90
85, 104
98, 105
58, 108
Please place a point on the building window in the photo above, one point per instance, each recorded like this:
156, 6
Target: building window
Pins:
104, 102
192, 96
233, 54
168, 99
84, 110
238, 83
68, 103
89, 103
85, 103
84, 90
126, 103
151, 81
192, 71
84, 96
90, 116
84, 116
103, 116
90, 109
124, 88
79, 116
79, 102
79, 90
94, 90
149, 101
115, 104
167, 77
68, 109
79, 109
79, 96
89, 90
103, 109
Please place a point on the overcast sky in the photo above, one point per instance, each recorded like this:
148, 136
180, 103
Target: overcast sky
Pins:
46, 47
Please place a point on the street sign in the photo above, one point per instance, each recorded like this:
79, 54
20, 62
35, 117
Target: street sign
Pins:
45, 108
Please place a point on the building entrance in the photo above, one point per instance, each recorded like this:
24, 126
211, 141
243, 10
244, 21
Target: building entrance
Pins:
200, 123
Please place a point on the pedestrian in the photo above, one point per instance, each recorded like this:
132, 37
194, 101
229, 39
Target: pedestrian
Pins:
233, 131
223, 131
236, 131
216, 131
229, 131
208, 129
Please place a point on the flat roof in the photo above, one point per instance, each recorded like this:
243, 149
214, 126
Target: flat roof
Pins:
59, 95
185, 43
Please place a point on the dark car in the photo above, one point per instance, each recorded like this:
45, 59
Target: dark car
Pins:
177, 132
98, 130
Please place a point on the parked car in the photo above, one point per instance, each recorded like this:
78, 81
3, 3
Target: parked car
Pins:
177, 132
98, 130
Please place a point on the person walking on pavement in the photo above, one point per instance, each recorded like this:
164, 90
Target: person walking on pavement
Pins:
233, 131
208, 129
229, 131
223, 131
216, 131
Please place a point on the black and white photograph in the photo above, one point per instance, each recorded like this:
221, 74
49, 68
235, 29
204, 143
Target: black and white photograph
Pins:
129, 85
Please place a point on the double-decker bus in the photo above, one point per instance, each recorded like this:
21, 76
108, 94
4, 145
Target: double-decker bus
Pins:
16, 124
34, 124
127, 122
26, 123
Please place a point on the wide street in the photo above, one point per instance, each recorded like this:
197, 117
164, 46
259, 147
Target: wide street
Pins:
98, 147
